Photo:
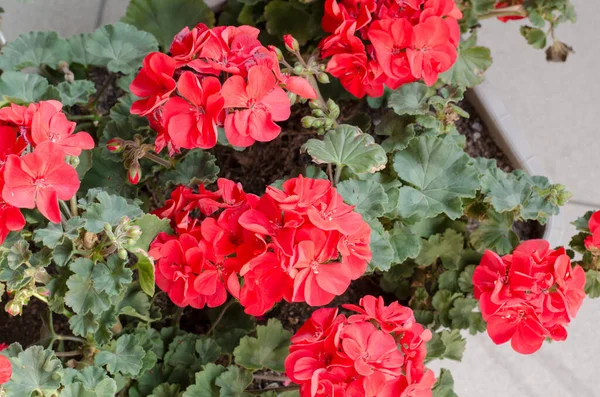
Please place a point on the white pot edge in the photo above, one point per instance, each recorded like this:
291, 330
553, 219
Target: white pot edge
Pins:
507, 134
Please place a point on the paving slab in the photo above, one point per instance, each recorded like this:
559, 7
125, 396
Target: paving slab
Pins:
68, 17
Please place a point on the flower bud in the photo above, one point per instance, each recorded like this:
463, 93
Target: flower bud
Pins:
73, 161
318, 113
298, 70
328, 124
276, 51
314, 104
123, 253
115, 145
13, 308
292, 97
43, 291
134, 232
307, 121
134, 173
291, 44
317, 124
323, 78
107, 227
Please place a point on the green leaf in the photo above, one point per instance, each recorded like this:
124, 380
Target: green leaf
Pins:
63, 253
111, 277
441, 175
454, 343
55, 233
535, 37
368, 197
410, 99
405, 243
448, 247
197, 167
145, 267
208, 350
444, 386
348, 146
182, 352
122, 356
234, 382
164, 19
120, 47
205, 382
283, 17
83, 324
383, 252
18, 254
166, 390
465, 279
442, 301
77, 92
462, 311
108, 175
109, 209
495, 233
83, 295
35, 370
268, 350
78, 52
151, 226
398, 129
448, 280
228, 340
22, 88
592, 284
581, 224
469, 67
481, 7
34, 49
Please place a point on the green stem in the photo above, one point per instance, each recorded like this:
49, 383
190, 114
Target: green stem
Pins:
83, 117
338, 174
271, 378
218, 320
73, 353
177, 317
512, 11
275, 389
157, 159
66, 209
74, 209
70, 338
40, 297
108, 82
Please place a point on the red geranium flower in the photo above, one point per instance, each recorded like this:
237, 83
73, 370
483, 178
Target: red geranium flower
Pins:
253, 107
187, 44
51, 124
592, 242
432, 52
193, 123
390, 39
10, 143
40, 179
11, 218
358, 76
154, 83
529, 295
5, 369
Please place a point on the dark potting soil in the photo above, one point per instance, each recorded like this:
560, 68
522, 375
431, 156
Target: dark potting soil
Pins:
255, 168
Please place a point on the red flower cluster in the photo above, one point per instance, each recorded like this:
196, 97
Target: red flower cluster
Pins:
5, 366
41, 177
592, 243
301, 244
215, 77
399, 42
378, 352
528, 296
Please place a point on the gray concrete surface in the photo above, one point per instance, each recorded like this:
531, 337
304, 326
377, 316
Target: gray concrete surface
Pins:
554, 105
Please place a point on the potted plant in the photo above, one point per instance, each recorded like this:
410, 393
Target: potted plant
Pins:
278, 199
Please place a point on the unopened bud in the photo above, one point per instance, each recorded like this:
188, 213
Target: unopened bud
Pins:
323, 78
318, 113
307, 121
73, 161
292, 97
298, 70
115, 145
107, 227
291, 44
134, 173
276, 51
123, 253
317, 124
13, 308
134, 232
